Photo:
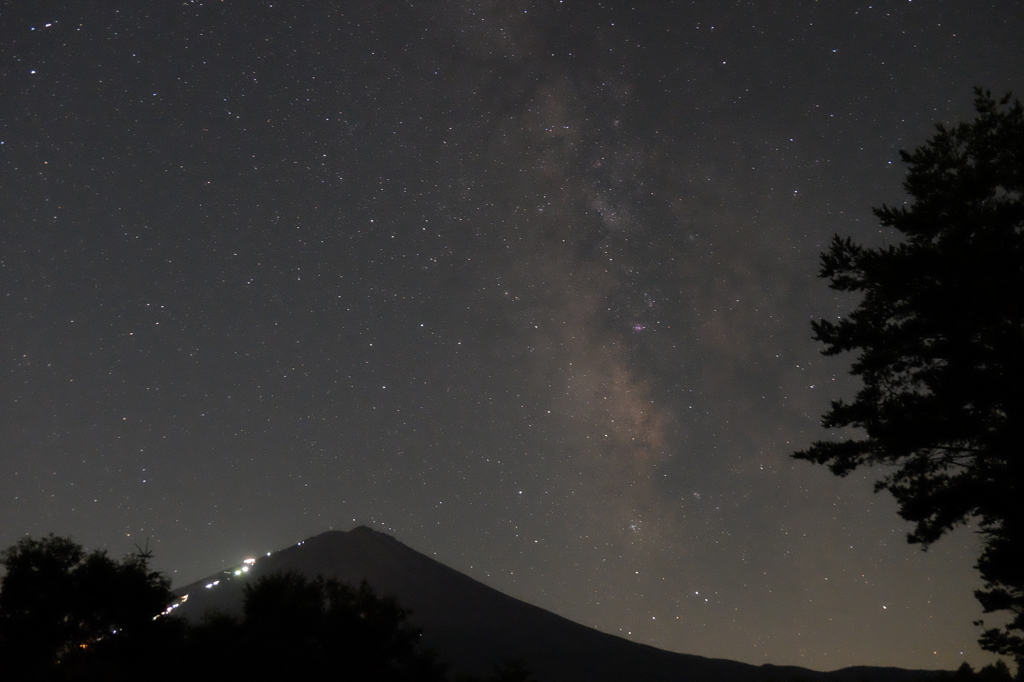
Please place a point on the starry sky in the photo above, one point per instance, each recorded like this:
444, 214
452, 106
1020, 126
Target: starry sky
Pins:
524, 283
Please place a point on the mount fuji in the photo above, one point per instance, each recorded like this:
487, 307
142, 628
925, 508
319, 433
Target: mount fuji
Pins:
473, 626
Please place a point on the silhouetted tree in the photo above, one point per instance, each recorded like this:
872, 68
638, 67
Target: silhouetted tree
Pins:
994, 672
59, 603
507, 670
296, 625
216, 646
511, 670
939, 337
965, 673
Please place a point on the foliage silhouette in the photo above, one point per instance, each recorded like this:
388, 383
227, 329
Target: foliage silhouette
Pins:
507, 670
59, 604
994, 672
294, 626
940, 335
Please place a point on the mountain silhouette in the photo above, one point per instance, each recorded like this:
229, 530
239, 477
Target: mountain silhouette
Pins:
473, 626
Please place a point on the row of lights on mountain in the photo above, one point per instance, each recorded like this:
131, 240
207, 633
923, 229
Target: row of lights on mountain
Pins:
244, 568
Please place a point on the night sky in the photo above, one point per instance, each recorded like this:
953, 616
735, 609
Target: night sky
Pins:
525, 284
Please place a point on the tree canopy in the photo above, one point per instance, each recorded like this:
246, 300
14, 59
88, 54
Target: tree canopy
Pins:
939, 342
296, 625
57, 600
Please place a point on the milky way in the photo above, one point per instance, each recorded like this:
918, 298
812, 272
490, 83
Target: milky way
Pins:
525, 284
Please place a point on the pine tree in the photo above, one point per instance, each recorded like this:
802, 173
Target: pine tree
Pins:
939, 343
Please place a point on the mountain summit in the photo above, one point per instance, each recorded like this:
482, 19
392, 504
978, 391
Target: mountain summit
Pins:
473, 626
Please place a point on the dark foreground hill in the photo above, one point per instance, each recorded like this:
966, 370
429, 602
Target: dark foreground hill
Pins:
474, 626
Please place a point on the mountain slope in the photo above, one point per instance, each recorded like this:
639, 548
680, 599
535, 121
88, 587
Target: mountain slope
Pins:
474, 626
